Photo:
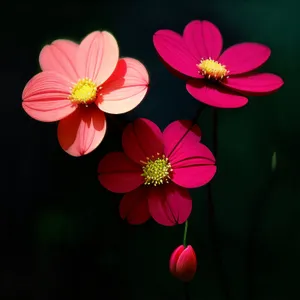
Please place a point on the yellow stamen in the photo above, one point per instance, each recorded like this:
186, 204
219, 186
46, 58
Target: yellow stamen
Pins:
157, 170
84, 91
212, 69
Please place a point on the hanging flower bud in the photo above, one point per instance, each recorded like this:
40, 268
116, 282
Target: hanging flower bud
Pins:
183, 263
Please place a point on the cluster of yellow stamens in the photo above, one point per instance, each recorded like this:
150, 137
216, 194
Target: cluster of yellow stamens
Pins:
212, 69
84, 91
157, 170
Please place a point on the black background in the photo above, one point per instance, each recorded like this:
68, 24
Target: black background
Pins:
61, 235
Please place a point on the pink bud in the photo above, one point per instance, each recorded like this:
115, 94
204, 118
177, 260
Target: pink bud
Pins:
183, 263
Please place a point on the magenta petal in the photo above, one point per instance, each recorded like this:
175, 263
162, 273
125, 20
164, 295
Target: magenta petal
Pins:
257, 83
117, 173
244, 57
172, 49
203, 39
193, 165
174, 258
142, 139
216, 96
169, 204
134, 207
186, 266
179, 132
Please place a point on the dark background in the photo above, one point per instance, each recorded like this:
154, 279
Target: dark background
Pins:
61, 234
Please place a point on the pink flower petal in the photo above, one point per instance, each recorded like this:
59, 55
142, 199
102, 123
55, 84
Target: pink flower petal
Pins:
214, 95
174, 258
142, 139
186, 266
60, 57
97, 56
82, 132
169, 204
45, 97
172, 49
203, 39
257, 83
125, 88
134, 207
117, 173
179, 132
244, 57
193, 165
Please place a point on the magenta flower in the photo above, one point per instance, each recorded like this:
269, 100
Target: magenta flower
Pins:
219, 80
155, 170
78, 83
183, 263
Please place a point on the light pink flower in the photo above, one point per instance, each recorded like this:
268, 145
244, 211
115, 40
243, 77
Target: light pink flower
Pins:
156, 169
219, 80
78, 83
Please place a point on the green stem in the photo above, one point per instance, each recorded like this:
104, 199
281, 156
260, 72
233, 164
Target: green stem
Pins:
186, 225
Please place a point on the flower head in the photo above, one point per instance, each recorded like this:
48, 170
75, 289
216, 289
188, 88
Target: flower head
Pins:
155, 169
78, 83
183, 263
214, 78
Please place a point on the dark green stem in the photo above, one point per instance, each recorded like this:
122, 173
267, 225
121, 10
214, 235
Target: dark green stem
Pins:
186, 225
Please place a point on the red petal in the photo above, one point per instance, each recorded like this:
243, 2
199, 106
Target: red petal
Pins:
174, 258
193, 165
169, 204
179, 132
117, 173
216, 96
244, 57
186, 265
134, 207
142, 139
257, 83
203, 39
173, 50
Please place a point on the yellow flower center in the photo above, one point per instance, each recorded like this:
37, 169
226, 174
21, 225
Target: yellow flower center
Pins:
212, 69
157, 170
84, 91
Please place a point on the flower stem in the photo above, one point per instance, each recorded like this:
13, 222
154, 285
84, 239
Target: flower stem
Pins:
186, 284
186, 225
211, 216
